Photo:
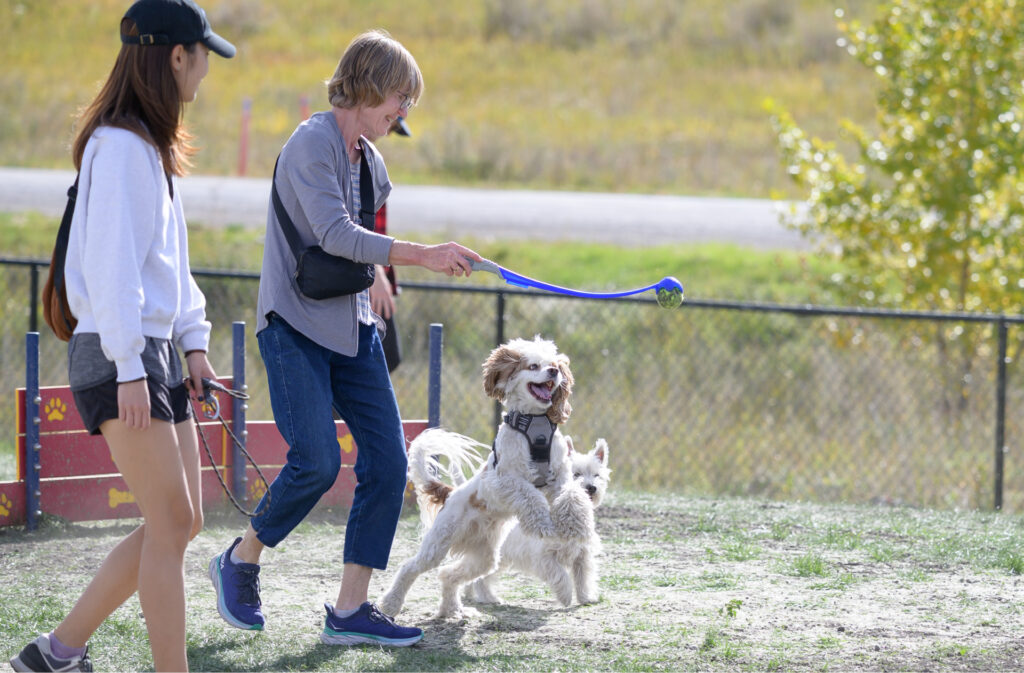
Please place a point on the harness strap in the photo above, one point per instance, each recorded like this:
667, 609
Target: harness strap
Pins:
539, 432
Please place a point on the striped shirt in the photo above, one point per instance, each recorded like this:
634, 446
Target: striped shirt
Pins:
363, 312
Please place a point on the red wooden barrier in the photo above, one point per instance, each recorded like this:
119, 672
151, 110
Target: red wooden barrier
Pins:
79, 481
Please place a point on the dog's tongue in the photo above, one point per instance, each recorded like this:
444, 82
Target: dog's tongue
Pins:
541, 392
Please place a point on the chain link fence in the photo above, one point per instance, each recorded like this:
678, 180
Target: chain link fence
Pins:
714, 398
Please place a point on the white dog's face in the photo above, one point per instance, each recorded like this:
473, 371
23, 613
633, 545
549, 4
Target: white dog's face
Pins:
590, 470
530, 377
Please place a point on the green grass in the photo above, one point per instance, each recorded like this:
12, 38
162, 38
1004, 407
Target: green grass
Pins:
647, 96
708, 271
954, 612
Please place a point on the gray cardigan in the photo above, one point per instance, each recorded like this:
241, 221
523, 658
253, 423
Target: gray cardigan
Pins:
315, 186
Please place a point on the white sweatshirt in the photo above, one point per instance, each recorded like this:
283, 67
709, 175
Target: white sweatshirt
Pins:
127, 270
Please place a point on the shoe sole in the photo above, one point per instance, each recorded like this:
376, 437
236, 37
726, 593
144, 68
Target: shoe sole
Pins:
349, 638
18, 666
222, 607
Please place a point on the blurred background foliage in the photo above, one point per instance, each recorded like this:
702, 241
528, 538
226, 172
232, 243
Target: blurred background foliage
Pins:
646, 96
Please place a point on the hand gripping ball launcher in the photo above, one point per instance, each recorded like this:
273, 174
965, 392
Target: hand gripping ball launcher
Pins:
668, 290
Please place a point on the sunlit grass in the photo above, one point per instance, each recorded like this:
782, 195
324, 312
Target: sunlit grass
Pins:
653, 96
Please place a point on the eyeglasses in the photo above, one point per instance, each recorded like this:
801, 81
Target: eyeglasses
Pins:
406, 102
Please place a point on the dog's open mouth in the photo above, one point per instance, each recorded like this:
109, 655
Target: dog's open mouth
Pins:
542, 391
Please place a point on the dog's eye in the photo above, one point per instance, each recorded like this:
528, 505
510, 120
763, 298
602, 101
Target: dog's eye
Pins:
534, 367
577, 475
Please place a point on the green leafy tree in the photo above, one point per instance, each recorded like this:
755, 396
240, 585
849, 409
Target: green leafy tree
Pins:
930, 213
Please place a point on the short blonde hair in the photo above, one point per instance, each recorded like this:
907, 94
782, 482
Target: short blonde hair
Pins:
373, 67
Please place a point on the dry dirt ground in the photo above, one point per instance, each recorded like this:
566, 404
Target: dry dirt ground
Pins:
686, 584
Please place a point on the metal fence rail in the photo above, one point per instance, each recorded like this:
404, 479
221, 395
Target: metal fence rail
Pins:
714, 398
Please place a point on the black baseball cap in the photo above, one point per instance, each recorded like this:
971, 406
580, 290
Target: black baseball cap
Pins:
401, 128
174, 22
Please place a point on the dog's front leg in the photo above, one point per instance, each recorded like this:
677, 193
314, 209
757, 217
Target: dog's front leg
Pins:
584, 572
552, 572
529, 505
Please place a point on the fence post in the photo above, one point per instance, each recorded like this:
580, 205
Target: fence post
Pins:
243, 139
32, 420
499, 338
33, 303
238, 477
1000, 415
434, 376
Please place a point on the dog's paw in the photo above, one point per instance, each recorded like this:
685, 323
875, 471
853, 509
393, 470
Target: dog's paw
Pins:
589, 599
389, 606
456, 613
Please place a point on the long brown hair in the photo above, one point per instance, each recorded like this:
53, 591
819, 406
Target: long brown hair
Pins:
141, 95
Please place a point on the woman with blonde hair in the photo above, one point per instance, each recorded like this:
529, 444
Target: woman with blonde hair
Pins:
131, 291
326, 353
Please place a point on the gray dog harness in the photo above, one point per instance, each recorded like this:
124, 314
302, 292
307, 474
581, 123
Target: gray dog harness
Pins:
539, 431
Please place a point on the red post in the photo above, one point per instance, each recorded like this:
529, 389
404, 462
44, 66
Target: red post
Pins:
304, 107
243, 141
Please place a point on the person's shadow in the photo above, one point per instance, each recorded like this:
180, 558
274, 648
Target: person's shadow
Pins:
441, 648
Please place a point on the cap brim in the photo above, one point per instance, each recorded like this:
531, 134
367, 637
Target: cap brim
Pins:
219, 45
401, 128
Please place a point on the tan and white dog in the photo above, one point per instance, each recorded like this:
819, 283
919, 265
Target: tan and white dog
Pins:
528, 465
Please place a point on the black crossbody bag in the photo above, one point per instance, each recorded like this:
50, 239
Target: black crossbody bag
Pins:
321, 275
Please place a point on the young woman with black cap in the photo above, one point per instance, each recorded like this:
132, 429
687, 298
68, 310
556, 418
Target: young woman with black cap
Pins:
131, 291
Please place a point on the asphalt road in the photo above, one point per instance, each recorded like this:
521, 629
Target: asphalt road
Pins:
623, 219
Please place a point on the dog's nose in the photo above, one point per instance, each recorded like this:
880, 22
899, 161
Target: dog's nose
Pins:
591, 489
552, 372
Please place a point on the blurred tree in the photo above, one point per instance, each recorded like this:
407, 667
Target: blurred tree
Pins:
930, 214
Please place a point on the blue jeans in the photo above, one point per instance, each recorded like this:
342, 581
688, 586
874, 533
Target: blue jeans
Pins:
305, 380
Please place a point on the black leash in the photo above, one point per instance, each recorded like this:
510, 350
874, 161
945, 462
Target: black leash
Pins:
211, 410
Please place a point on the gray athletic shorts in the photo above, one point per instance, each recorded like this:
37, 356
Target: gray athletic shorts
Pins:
93, 380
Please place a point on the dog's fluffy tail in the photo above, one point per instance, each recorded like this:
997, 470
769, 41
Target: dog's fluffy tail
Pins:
433, 480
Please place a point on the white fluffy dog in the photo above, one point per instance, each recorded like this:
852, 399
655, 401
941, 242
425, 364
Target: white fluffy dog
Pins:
528, 465
567, 560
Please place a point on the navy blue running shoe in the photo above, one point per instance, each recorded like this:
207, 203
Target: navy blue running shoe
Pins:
238, 590
367, 625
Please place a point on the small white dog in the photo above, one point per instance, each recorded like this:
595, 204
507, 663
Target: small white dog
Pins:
528, 465
567, 560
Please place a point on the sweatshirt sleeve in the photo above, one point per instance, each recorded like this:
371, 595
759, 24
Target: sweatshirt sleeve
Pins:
191, 329
120, 218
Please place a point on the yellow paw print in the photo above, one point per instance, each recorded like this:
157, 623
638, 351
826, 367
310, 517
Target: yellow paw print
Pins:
55, 409
346, 443
256, 490
5, 505
117, 497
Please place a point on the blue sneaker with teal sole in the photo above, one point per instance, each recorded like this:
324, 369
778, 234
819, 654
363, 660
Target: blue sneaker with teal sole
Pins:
367, 625
238, 590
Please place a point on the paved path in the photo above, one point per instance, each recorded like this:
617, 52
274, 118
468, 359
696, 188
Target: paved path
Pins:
624, 219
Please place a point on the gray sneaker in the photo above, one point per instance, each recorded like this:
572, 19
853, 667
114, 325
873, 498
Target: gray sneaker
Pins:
37, 656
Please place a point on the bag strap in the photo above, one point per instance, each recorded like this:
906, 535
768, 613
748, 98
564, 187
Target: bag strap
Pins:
60, 249
367, 212
365, 196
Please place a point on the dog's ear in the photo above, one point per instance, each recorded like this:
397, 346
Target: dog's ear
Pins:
560, 407
498, 367
601, 451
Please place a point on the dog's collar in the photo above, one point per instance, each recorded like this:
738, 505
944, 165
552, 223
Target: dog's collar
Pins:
539, 431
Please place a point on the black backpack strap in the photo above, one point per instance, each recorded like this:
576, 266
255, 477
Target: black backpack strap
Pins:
60, 250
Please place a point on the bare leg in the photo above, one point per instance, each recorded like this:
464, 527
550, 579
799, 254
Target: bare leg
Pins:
355, 586
151, 464
250, 548
117, 578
